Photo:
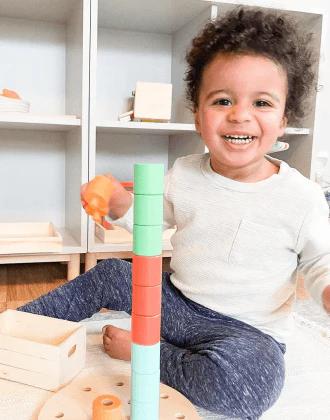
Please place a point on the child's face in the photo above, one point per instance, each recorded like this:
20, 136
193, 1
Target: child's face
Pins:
241, 95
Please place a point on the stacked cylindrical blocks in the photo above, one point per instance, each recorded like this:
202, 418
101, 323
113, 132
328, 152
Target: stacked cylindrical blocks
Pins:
146, 298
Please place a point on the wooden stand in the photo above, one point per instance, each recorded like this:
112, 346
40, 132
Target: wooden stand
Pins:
75, 401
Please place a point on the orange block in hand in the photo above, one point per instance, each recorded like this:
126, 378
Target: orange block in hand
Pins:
97, 195
145, 329
146, 301
147, 271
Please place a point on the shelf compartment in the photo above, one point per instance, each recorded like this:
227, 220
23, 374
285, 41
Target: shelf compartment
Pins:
23, 238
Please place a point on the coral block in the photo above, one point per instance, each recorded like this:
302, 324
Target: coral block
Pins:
145, 329
146, 301
147, 271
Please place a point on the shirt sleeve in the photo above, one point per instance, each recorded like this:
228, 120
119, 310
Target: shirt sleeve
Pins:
126, 221
313, 248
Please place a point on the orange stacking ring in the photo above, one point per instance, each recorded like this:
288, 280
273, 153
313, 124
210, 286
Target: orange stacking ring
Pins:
147, 271
145, 329
107, 407
146, 301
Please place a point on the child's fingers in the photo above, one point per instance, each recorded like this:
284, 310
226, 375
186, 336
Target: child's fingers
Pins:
104, 329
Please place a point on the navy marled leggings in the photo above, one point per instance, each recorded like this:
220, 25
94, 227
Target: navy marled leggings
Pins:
219, 363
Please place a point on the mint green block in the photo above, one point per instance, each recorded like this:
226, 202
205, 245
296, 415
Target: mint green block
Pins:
145, 388
145, 359
148, 209
147, 240
149, 178
144, 411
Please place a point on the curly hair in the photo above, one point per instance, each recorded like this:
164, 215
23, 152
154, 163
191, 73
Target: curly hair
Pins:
254, 31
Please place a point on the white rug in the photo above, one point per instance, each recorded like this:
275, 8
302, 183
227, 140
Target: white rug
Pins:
306, 394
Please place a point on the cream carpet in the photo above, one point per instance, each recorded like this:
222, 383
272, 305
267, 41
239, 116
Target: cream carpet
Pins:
306, 395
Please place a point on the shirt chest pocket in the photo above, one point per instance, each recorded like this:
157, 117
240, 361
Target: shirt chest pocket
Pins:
258, 246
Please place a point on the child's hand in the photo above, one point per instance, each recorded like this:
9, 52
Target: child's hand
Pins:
119, 201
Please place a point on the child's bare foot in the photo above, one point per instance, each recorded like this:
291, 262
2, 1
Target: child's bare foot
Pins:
117, 342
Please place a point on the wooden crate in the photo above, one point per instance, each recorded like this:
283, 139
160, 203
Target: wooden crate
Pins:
40, 351
28, 238
117, 235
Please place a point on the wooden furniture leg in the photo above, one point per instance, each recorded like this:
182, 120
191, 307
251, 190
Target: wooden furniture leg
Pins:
90, 260
73, 266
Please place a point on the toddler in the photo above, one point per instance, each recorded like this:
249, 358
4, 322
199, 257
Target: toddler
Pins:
246, 223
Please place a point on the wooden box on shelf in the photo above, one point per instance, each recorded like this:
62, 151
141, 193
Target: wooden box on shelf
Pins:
116, 235
40, 351
27, 238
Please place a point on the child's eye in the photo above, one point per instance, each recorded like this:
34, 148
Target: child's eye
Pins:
222, 101
262, 103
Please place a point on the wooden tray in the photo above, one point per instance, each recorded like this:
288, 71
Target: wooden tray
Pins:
119, 235
40, 351
27, 238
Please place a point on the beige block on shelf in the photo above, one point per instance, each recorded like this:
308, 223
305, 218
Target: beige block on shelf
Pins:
153, 101
117, 235
40, 351
28, 238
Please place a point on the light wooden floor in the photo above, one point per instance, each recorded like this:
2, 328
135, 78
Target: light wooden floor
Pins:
21, 283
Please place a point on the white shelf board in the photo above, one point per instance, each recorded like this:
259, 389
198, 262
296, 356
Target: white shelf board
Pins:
165, 16
124, 246
144, 127
295, 130
10, 120
133, 127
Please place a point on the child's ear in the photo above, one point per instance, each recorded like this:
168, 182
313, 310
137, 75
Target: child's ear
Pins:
197, 123
283, 125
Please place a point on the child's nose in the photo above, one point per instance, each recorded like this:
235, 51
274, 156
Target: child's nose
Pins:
239, 113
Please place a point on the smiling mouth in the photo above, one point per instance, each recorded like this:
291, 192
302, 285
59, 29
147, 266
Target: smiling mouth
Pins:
233, 139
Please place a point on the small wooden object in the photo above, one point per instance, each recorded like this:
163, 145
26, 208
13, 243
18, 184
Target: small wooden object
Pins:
153, 101
28, 238
107, 407
115, 235
40, 351
75, 401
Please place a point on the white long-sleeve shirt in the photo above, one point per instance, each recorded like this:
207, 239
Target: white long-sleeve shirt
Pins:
238, 245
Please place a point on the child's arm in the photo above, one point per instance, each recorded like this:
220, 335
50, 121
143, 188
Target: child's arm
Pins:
313, 249
121, 204
326, 299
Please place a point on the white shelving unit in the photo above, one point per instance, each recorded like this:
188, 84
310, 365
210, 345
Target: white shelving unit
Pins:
146, 44
147, 41
43, 154
77, 62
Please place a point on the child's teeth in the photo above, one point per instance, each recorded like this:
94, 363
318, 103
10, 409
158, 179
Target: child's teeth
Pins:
239, 139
